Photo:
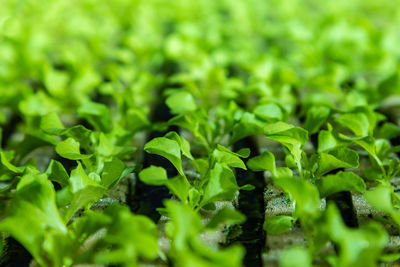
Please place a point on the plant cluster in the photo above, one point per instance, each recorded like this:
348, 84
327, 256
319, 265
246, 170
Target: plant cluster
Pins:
79, 81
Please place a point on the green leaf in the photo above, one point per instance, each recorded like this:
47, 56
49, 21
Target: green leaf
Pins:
96, 114
135, 120
70, 149
153, 175
243, 152
6, 163
82, 198
131, 238
328, 140
179, 186
56, 172
79, 179
105, 148
224, 155
295, 256
183, 144
341, 181
56, 81
166, 148
357, 122
380, 199
32, 141
33, 216
390, 257
341, 157
180, 101
388, 131
316, 117
247, 126
187, 248
286, 133
80, 134
112, 172
89, 223
305, 194
278, 224
226, 215
389, 85
221, 185
263, 162
194, 197
51, 124
269, 112
293, 138
368, 143
358, 247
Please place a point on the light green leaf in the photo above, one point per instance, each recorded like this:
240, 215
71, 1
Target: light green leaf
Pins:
388, 131
278, 224
6, 163
305, 194
51, 124
153, 175
380, 199
341, 157
221, 185
357, 122
69, 149
96, 114
79, 179
294, 257
56, 172
243, 152
180, 101
224, 155
179, 186
166, 148
187, 248
56, 81
112, 172
33, 215
226, 215
328, 140
269, 112
316, 117
263, 162
183, 144
341, 181
248, 125
293, 138
131, 237
358, 247
82, 198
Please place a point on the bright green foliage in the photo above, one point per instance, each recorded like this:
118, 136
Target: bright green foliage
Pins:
263, 162
359, 247
278, 224
341, 157
187, 249
341, 181
295, 256
69, 149
180, 102
153, 175
170, 149
381, 199
304, 193
131, 236
33, 217
315, 83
